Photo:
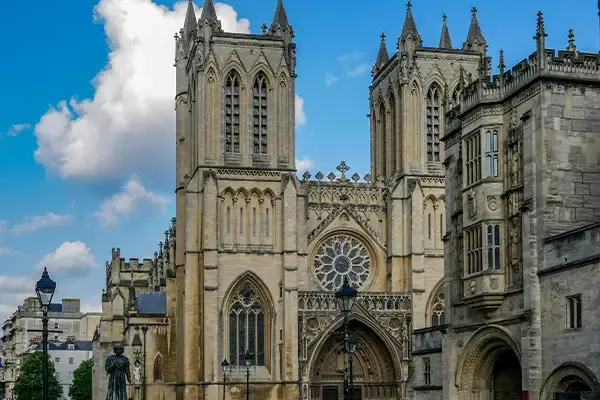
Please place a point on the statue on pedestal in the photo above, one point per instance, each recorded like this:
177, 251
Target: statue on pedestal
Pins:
117, 367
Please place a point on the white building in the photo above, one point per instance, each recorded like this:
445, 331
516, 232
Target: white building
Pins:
24, 329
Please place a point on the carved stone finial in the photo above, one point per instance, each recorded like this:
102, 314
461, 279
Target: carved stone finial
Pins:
409, 5
343, 168
501, 65
541, 29
355, 177
319, 176
331, 176
368, 178
444, 17
264, 28
382, 36
306, 176
571, 46
474, 11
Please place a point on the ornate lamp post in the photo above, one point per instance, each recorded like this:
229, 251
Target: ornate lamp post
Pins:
225, 367
345, 297
351, 343
247, 361
45, 289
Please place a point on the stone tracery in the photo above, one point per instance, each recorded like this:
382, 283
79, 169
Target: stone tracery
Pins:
342, 256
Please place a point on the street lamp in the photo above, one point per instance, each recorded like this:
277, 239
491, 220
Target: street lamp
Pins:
351, 343
247, 360
45, 289
345, 298
225, 367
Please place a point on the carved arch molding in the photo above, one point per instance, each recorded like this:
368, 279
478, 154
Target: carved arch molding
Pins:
565, 376
487, 343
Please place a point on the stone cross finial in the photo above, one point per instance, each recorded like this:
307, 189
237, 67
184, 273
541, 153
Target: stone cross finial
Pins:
382, 36
409, 5
264, 28
474, 11
343, 168
444, 17
571, 46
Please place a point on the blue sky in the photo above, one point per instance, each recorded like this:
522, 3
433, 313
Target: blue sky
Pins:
87, 121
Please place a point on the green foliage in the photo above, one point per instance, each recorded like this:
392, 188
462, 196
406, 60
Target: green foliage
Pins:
29, 382
81, 387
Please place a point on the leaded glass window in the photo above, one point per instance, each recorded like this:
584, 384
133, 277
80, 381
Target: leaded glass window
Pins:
491, 150
433, 123
247, 326
493, 246
438, 310
232, 113
342, 256
259, 92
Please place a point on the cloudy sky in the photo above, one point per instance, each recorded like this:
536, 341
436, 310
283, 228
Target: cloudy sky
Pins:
87, 121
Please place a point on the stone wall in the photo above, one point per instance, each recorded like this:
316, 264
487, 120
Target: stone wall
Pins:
571, 143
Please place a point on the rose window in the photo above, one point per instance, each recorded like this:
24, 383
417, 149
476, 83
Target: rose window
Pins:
342, 256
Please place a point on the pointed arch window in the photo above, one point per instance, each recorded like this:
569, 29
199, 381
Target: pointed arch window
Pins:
232, 113
433, 123
228, 220
254, 221
267, 221
259, 92
491, 150
438, 309
429, 226
393, 133
158, 369
382, 135
248, 320
241, 221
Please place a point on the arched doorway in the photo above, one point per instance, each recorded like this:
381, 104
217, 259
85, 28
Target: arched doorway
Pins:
567, 382
373, 372
490, 367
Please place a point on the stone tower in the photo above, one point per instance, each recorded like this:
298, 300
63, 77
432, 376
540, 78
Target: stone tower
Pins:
237, 205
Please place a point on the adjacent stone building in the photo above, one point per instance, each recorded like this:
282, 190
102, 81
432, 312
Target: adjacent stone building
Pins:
522, 157
24, 328
254, 255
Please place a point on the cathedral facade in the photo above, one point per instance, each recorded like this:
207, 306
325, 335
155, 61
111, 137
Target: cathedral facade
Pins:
252, 260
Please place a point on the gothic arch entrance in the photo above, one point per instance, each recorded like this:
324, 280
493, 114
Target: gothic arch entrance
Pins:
490, 368
373, 371
568, 381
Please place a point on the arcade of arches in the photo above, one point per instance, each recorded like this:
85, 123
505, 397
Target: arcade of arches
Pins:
373, 370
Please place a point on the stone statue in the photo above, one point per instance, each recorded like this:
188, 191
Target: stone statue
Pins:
515, 238
515, 167
117, 367
137, 373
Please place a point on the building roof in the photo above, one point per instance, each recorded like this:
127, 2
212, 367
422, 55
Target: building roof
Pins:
151, 303
79, 345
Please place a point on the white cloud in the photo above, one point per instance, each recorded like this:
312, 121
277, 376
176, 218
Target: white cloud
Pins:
3, 226
330, 79
130, 199
350, 58
304, 164
5, 251
91, 305
32, 224
359, 70
16, 129
16, 283
300, 116
69, 256
131, 113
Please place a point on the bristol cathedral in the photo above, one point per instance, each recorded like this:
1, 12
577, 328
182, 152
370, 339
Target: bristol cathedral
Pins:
472, 241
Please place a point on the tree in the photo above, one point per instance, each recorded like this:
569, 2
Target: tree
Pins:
81, 387
29, 382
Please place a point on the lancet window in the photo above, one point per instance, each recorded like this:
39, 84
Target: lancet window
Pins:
433, 123
438, 309
491, 150
383, 134
394, 153
232, 113
247, 326
259, 92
